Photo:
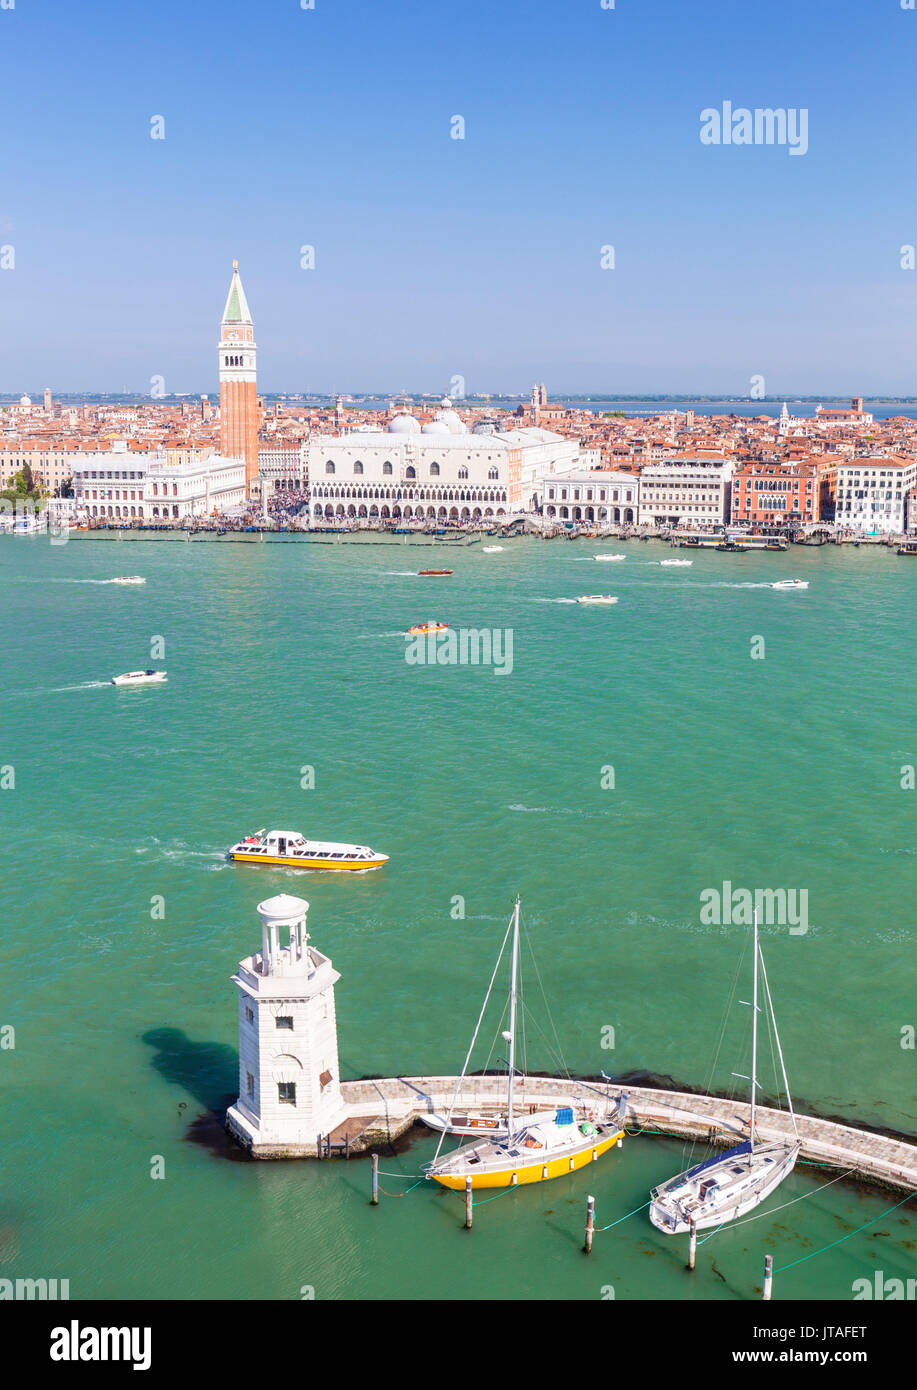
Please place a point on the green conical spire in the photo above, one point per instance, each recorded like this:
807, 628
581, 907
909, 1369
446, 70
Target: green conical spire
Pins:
236, 310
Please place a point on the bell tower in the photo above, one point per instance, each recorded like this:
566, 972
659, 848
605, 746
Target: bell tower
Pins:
289, 1085
238, 381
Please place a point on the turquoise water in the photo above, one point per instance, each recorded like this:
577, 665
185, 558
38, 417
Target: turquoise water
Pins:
776, 772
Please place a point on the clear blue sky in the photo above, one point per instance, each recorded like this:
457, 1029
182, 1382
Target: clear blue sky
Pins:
437, 257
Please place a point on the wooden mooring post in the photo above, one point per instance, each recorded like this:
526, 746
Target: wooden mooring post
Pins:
768, 1276
590, 1224
692, 1244
375, 1197
468, 1204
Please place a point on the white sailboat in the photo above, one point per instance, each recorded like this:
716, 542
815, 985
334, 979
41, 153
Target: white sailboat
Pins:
521, 1149
730, 1184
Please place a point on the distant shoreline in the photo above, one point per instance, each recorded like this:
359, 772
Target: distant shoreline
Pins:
380, 400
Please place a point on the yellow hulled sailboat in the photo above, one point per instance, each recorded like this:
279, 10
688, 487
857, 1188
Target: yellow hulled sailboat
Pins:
526, 1148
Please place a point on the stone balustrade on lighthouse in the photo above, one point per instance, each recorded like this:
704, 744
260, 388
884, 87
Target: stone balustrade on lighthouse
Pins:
289, 1081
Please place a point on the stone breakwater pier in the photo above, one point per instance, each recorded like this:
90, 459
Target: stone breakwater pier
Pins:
293, 1104
381, 1111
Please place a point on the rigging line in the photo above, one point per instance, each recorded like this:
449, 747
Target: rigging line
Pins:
786, 1084
547, 1044
559, 1053
689, 1148
773, 1211
803, 1258
474, 1037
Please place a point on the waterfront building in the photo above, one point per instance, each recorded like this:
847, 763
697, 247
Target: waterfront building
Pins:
282, 466
775, 494
438, 470
598, 495
195, 487
289, 1079
51, 468
872, 494
694, 492
239, 409
124, 485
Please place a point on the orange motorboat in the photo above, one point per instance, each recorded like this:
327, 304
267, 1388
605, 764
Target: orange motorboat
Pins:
421, 629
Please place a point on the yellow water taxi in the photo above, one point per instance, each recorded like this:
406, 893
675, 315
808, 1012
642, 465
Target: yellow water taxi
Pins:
421, 629
529, 1148
287, 849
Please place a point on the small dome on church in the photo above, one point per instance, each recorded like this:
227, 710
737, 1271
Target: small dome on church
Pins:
25, 400
435, 426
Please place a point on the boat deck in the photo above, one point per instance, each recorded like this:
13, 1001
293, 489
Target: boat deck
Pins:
390, 1106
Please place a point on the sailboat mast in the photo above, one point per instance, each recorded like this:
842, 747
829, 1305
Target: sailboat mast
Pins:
512, 1024
754, 1035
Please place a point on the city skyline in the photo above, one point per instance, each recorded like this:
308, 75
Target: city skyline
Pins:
480, 257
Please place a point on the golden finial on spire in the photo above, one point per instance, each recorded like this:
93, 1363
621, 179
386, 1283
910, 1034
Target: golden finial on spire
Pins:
235, 265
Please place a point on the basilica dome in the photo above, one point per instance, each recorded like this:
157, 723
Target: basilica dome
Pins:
403, 424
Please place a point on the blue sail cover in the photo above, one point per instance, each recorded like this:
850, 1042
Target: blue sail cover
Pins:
564, 1116
719, 1158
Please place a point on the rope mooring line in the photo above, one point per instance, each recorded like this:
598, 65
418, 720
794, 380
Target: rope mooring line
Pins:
803, 1258
482, 1201
400, 1194
621, 1218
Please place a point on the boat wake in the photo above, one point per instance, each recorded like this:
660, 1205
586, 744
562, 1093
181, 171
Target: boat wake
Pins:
87, 685
554, 600
179, 851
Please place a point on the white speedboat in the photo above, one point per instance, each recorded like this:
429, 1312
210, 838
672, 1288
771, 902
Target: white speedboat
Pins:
140, 678
609, 557
127, 579
490, 549
791, 584
728, 1185
597, 598
288, 849
680, 563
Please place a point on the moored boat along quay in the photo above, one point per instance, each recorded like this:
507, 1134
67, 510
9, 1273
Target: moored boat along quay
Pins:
529, 526
379, 1111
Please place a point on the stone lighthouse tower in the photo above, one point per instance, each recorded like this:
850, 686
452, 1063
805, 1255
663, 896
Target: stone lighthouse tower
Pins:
239, 413
289, 1085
